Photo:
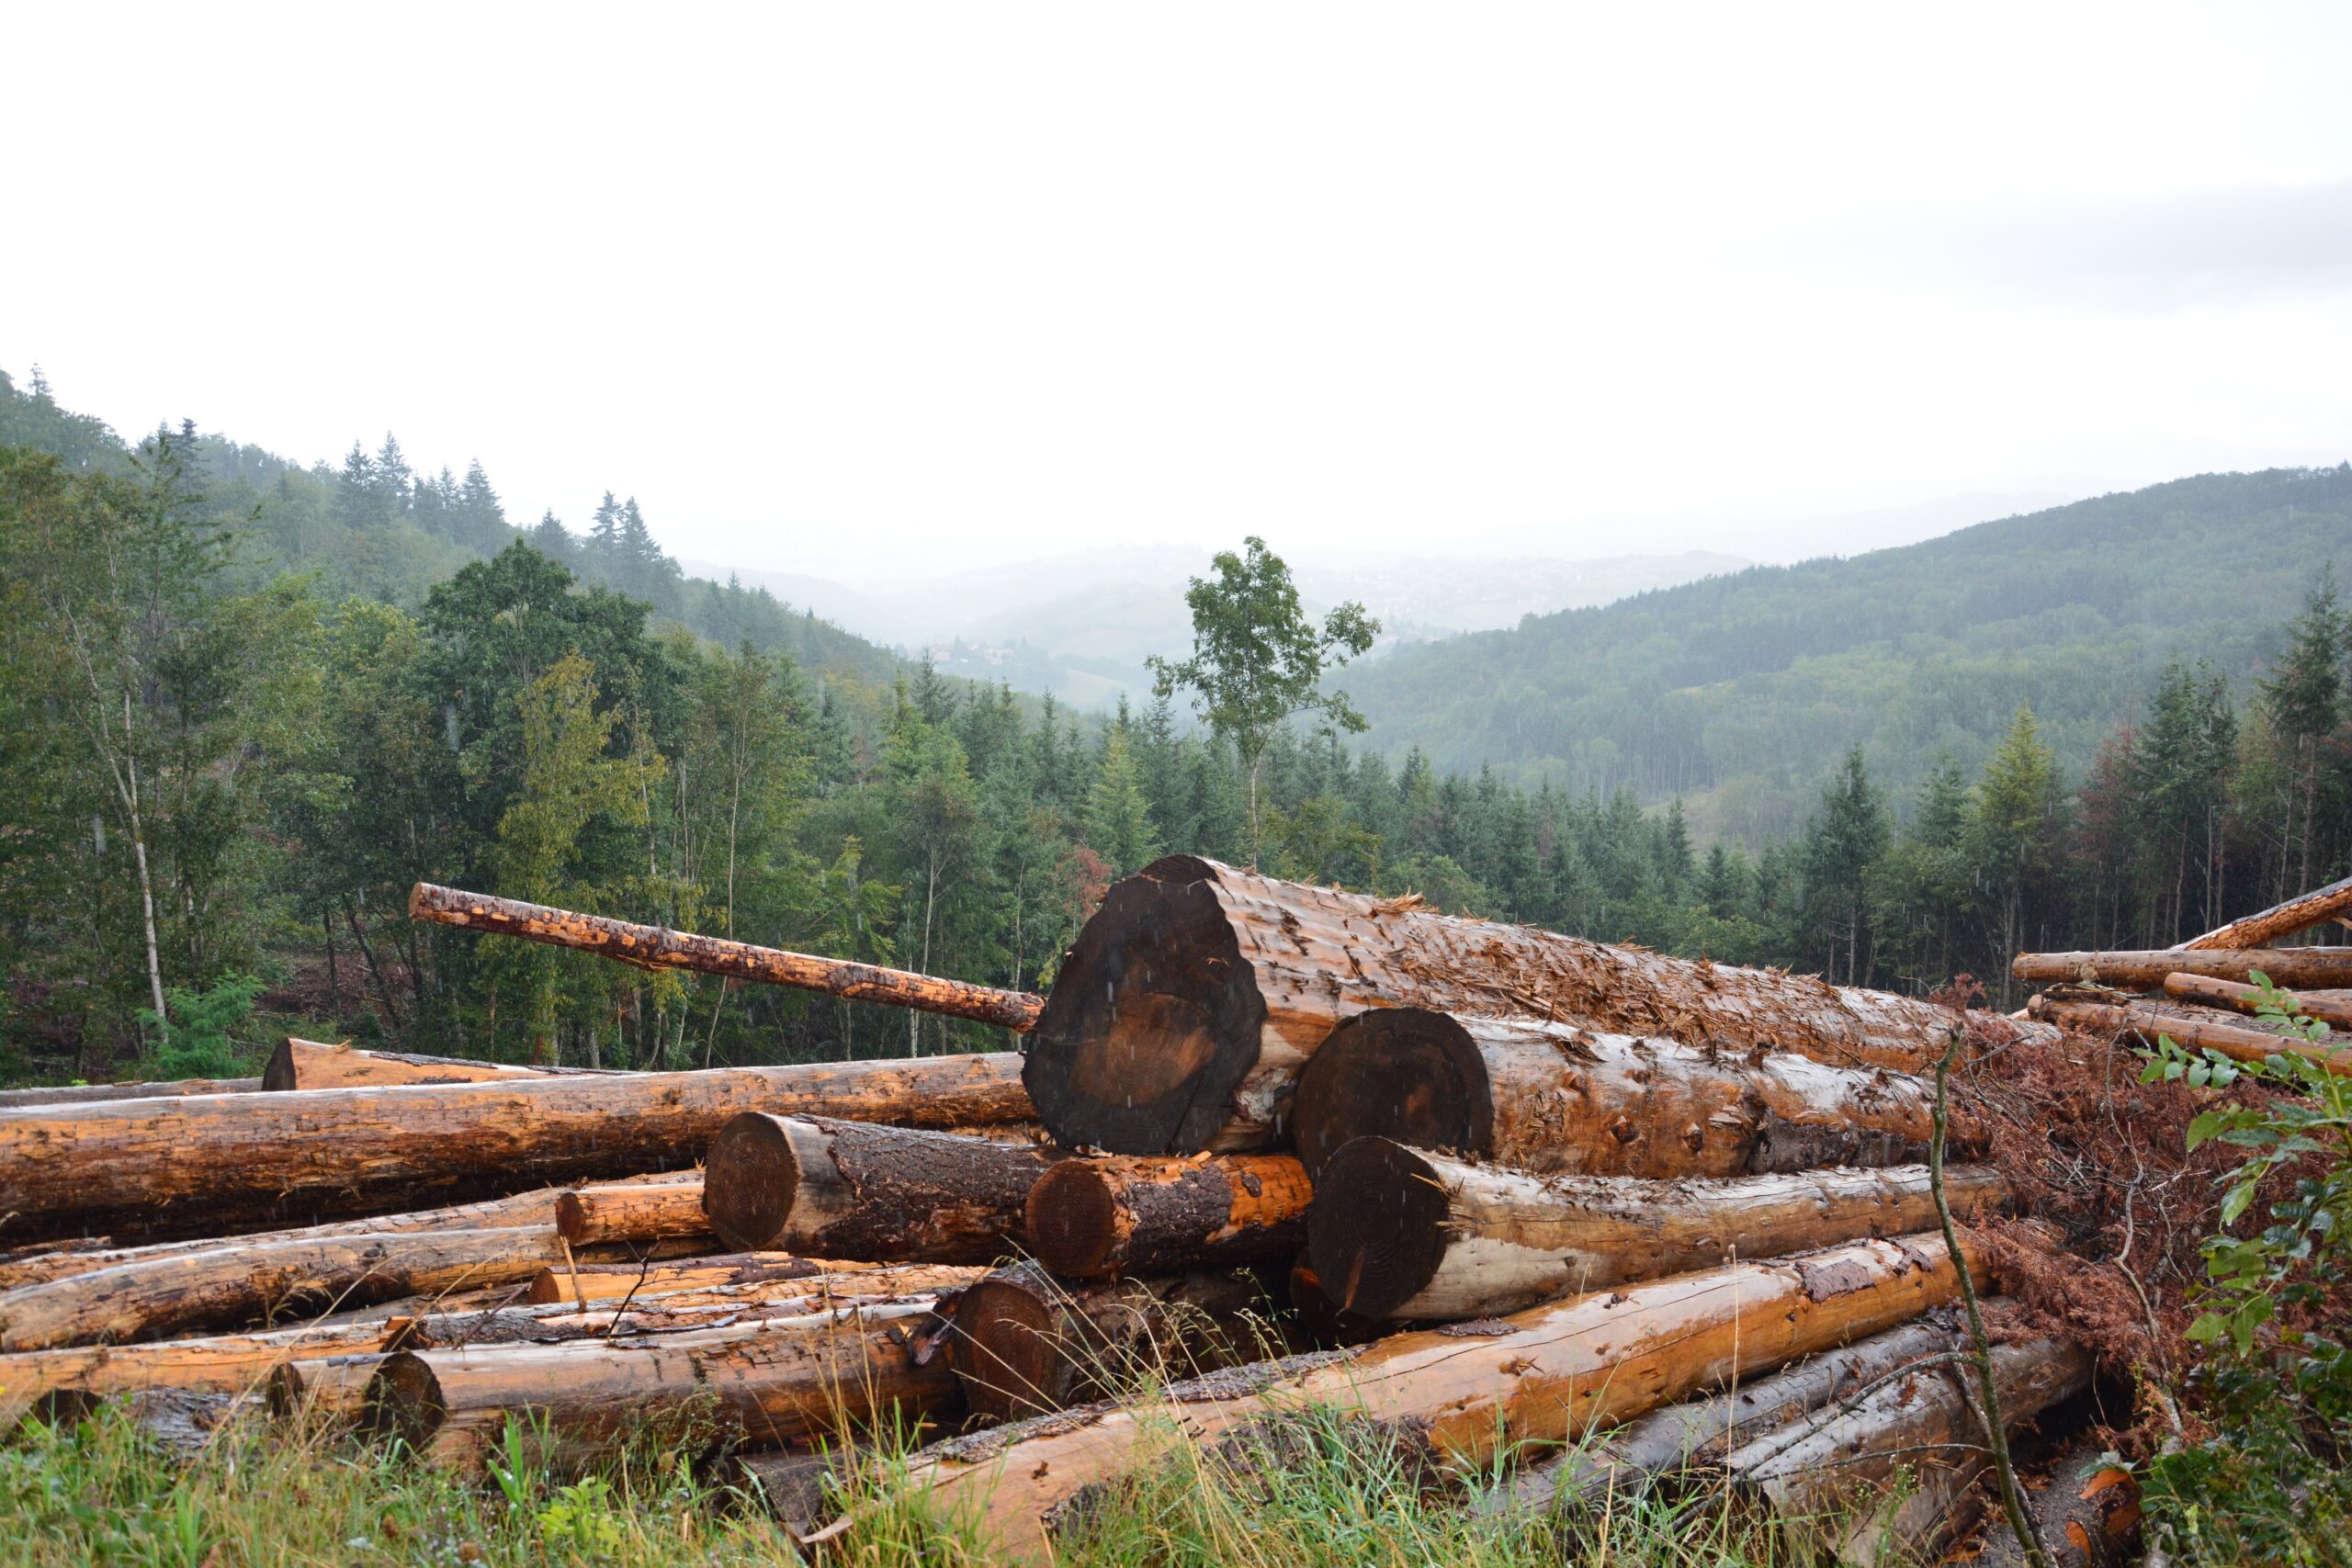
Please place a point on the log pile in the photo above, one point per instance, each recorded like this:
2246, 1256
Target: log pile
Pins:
1480, 1184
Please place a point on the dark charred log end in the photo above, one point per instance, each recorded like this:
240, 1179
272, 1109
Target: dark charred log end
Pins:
279, 1077
403, 1400
1073, 1219
572, 1217
1153, 1022
1375, 1231
750, 1180
1008, 1347
1402, 1073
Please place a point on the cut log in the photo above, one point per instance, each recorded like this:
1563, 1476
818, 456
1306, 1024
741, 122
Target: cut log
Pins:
307, 1063
1087, 1218
659, 948
1319, 1320
2299, 913
240, 1281
1183, 1014
2297, 968
1402, 1233
2088, 1517
829, 1189
757, 1385
1450, 1396
223, 1162
1887, 1473
327, 1388
1551, 1097
228, 1363
632, 1212
2335, 1013
82, 1093
1027, 1343
2148, 1024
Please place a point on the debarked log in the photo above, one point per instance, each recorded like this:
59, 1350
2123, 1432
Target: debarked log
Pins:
2296, 968
226, 1162
82, 1093
632, 1212
2149, 1024
1556, 1099
1449, 1396
1403, 1233
308, 1064
2299, 913
2236, 994
829, 1189
1192, 1000
1119, 1214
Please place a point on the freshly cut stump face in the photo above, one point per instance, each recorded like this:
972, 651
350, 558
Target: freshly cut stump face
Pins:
1014, 1343
1406, 1074
403, 1400
1375, 1253
1073, 1216
1153, 1022
749, 1181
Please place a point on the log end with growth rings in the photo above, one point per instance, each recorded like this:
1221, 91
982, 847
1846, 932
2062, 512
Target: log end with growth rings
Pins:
750, 1180
1377, 1247
1010, 1345
1407, 1074
403, 1400
1074, 1219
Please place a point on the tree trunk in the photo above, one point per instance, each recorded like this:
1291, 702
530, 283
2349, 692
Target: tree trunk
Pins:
82, 1093
2320, 968
2147, 1025
2334, 1011
1554, 1098
1087, 1218
1026, 1343
605, 1283
306, 1064
217, 1163
324, 1388
632, 1212
830, 1189
2299, 913
757, 1385
657, 947
1452, 1396
1398, 1233
1194, 996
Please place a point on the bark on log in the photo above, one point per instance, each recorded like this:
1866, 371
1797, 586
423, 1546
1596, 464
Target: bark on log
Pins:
307, 1063
1449, 1396
1402, 1233
83, 1093
660, 948
1630, 1459
2297, 968
324, 1388
617, 1281
1025, 1343
238, 1282
1192, 1000
631, 1212
829, 1189
759, 1385
1847, 1469
2088, 1517
224, 1162
2147, 1025
1554, 1098
2299, 913
1087, 1218
2334, 1012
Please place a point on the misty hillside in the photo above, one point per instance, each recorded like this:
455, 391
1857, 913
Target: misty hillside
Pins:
1740, 691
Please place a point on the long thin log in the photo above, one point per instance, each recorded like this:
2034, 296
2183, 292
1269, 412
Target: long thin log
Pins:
829, 1189
1183, 1014
621, 1281
1027, 1343
83, 1093
757, 1385
1551, 1097
2148, 1024
2298, 968
1448, 1397
631, 1212
2299, 913
1087, 1218
307, 1063
1402, 1233
658, 947
224, 1162
2337, 1014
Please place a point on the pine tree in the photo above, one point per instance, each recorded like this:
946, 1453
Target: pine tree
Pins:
481, 521
1118, 817
2013, 840
2302, 705
551, 539
1842, 848
393, 481
603, 542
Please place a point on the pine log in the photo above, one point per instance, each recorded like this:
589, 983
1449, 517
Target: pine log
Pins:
1320, 1319
617, 1281
329, 1388
1087, 1218
2299, 913
240, 1281
225, 1162
2088, 1517
660, 948
756, 1385
2149, 1024
1027, 1343
2297, 968
2331, 1011
618, 1212
83, 1093
307, 1063
1549, 1098
1887, 1471
1183, 1014
1630, 1458
1449, 1397
829, 1189
228, 1363
1402, 1233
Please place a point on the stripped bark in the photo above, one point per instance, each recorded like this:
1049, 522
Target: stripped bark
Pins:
2296, 967
2299, 913
1087, 1218
2148, 1024
2335, 1012
625, 1211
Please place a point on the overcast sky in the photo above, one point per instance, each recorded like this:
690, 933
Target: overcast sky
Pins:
862, 288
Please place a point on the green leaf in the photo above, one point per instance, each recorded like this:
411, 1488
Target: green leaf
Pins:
2237, 1204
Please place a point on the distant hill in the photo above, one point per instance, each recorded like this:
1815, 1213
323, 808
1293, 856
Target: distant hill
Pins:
1739, 692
